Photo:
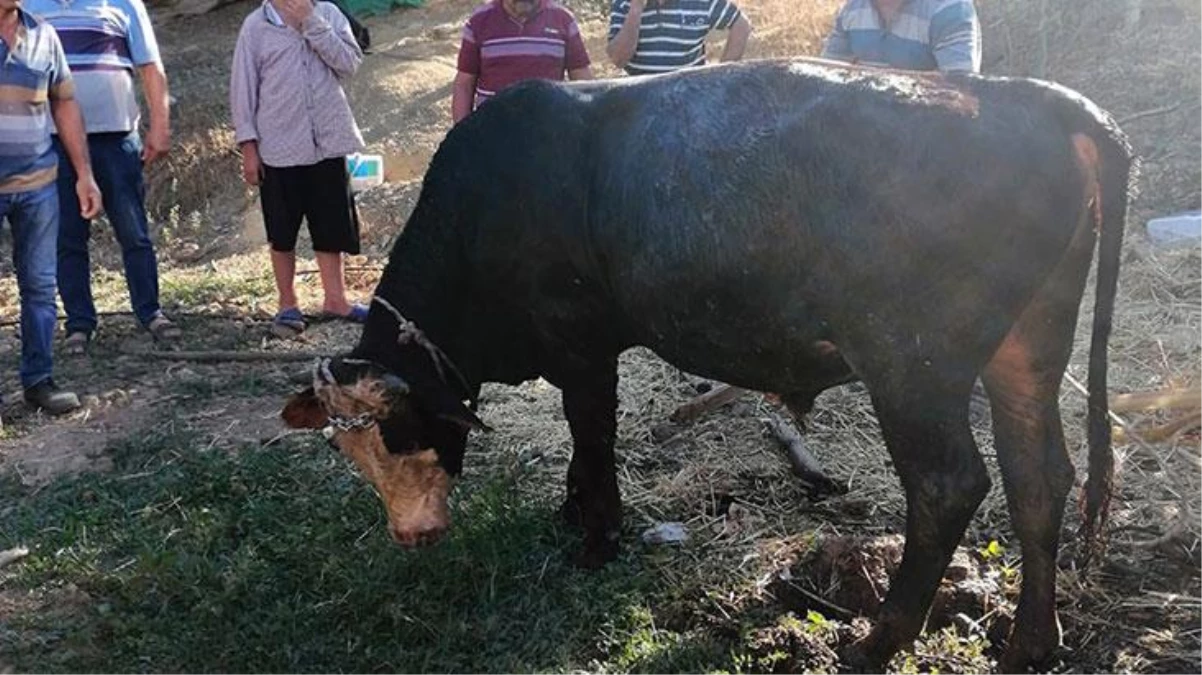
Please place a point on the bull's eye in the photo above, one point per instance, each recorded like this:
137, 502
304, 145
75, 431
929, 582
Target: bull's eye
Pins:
328, 432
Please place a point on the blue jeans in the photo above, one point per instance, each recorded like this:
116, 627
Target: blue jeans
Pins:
33, 216
117, 165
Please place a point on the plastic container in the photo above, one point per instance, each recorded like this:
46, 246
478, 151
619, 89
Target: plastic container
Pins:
366, 171
1180, 229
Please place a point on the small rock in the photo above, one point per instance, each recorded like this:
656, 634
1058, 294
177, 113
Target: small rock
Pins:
187, 375
12, 555
666, 533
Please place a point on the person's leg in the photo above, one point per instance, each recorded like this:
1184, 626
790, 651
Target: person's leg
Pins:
281, 195
73, 263
333, 285
34, 219
118, 161
283, 265
334, 228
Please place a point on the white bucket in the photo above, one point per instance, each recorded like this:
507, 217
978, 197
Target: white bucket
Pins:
366, 171
1181, 229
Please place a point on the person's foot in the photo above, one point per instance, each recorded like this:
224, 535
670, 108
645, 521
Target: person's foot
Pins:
76, 343
46, 396
163, 329
355, 313
289, 323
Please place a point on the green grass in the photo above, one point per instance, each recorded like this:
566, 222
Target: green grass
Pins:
275, 559
209, 288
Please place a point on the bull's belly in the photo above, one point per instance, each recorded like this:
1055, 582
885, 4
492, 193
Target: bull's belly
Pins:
765, 357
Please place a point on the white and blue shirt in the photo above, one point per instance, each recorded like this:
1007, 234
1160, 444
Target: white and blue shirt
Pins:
672, 32
105, 41
925, 35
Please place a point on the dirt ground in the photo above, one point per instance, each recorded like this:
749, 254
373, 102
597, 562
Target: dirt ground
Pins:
1139, 613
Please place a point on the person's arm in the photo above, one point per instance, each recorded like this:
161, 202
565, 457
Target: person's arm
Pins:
736, 40
327, 33
837, 46
463, 96
244, 103
724, 15
69, 125
624, 20
576, 60
158, 136
144, 50
956, 38
463, 92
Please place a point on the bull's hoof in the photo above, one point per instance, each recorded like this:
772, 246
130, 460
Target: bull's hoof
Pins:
857, 658
1020, 659
597, 552
871, 654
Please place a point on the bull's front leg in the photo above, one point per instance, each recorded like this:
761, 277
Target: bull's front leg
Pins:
590, 402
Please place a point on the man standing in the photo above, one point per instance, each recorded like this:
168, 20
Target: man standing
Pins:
105, 42
35, 85
294, 126
507, 41
659, 36
907, 34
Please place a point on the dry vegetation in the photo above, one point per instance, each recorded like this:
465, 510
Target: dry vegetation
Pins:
753, 527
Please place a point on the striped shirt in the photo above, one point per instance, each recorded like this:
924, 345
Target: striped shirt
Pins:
105, 41
286, 86
925, 35
34, 72
500, 50
672, 32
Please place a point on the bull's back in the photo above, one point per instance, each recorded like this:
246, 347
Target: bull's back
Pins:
747, 212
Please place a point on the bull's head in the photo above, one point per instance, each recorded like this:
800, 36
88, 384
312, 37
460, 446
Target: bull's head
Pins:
407, 447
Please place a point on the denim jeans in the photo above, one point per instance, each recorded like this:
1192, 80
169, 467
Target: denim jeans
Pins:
117, 165
33, 216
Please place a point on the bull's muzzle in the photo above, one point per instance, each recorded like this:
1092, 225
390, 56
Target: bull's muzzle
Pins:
416, 538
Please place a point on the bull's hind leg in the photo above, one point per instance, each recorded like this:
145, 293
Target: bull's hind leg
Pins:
590, 402
1023, 381
924, 420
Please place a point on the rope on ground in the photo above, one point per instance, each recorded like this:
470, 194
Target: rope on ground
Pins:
226, 355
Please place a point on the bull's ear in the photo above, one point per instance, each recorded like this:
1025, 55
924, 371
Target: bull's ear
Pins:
395, 385
304, 411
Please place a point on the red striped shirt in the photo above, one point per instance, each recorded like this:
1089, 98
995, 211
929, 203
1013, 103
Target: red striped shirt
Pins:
500, 50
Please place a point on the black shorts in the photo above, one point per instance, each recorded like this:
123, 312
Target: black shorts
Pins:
321, 194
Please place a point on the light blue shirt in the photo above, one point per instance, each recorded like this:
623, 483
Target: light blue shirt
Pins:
105, 41
925, 35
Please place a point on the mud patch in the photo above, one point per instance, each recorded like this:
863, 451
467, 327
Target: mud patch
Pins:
853, 574
72, 445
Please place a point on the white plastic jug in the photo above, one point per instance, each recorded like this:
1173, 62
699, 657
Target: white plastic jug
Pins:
366, 171
1180, 229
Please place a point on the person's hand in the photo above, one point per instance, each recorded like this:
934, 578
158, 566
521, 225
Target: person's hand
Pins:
88, 194
638, 4
294, 12
252, 166
157, 144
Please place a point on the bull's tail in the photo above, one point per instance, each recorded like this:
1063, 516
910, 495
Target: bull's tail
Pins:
1116, 172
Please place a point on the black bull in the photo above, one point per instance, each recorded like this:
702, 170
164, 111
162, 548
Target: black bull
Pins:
781, 226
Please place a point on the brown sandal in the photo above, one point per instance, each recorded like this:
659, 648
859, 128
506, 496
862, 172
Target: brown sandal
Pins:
76, 343
163, 330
